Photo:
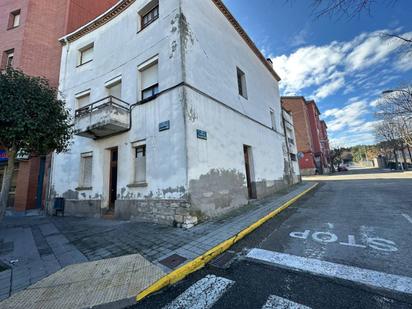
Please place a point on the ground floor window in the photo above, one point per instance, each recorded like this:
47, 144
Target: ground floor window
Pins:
86, 170
140, 164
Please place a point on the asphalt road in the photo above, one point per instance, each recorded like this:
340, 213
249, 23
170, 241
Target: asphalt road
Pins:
358, 226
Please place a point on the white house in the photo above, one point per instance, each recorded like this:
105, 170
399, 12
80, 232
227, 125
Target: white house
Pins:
177, 115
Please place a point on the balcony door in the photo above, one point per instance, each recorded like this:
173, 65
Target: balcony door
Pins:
113, 178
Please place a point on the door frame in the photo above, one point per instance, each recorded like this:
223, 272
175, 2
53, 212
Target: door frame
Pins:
250, 172
111, 151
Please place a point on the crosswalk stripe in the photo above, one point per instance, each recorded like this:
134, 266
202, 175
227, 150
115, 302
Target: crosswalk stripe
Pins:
332, 270
203, 294
276, 302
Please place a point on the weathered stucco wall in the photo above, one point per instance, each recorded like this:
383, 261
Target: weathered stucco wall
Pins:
216, 166
187, 177
118, 51
213, 51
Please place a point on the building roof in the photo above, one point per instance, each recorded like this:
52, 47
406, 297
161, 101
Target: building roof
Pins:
122, 5
316, 106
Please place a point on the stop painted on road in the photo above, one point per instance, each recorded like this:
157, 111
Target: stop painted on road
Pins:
376, 243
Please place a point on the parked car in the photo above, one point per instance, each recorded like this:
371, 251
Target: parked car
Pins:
342, 168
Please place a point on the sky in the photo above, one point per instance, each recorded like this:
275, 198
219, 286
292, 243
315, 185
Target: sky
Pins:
343, 63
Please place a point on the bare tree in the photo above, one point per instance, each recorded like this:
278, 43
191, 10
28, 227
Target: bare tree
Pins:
352, 8
388, 131
340, 8
396, 107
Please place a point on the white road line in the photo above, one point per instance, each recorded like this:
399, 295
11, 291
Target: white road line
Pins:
276, 302
333, 270
407, 217
203, 294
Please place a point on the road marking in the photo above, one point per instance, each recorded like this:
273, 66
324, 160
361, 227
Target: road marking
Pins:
407, 217
276, 302
203, 294
332, 270
328, 238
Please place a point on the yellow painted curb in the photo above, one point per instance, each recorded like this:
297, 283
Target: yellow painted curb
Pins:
202, 260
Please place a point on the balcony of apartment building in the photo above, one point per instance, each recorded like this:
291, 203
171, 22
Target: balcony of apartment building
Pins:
105, 117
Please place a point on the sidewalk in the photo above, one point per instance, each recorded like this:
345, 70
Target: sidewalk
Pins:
125, 258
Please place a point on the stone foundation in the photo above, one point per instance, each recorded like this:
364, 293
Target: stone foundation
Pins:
267, 188
83, 208
169, 212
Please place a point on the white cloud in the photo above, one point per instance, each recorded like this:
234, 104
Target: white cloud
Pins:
346, 118
327, 67
328, 89
404, 62
353, 139
374, 49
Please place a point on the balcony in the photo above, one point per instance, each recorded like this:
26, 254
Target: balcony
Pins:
106, 117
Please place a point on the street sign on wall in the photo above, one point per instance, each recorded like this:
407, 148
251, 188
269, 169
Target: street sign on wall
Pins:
3, 155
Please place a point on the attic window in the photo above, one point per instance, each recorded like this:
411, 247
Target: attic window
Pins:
241, 81
86, 54
149, 14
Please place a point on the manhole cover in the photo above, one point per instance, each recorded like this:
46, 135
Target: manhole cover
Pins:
224, 260
173, 261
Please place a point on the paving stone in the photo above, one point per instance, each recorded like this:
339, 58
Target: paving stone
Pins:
52, 242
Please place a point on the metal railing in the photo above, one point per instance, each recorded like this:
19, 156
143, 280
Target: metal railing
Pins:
109, 101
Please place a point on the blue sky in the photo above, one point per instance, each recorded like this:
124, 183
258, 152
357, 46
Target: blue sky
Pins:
344, 64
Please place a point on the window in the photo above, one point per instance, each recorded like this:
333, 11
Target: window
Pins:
115, 89
290, 136
86, 170
241, 82
140, 164
14, 19
8, 58
293, 157
86, 54
83, 99
149, 17
272, 118
149, 81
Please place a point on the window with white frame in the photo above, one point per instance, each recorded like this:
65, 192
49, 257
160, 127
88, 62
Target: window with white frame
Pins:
149, 77
86, 54
272, 118
140, 164
83, 99
14, 19
114, 89
241, 82
8, 58
86, 167
149, 14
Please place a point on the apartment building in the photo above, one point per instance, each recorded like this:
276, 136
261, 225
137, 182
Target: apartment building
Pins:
29, 40
177, 115
311, 135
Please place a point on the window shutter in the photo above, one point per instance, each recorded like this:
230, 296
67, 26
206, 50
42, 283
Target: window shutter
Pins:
83, 101
16, 20
140, 164
88, 162
116, 90
149, 76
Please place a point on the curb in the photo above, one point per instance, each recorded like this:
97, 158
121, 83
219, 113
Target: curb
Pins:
202, 260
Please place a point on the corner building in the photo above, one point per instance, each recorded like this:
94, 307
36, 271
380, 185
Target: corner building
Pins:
177, 115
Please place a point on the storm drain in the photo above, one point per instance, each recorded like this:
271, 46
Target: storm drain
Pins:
173, 261
224, 260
